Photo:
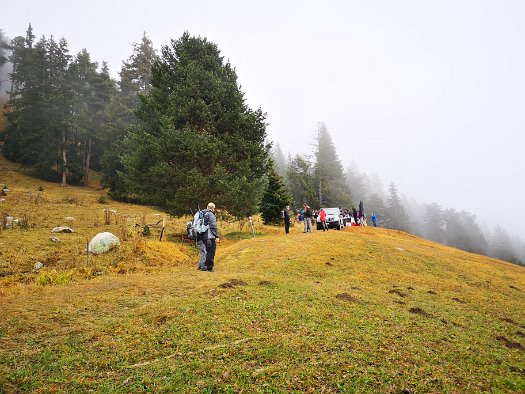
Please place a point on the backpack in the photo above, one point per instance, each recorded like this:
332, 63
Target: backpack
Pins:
308, 212
198, 226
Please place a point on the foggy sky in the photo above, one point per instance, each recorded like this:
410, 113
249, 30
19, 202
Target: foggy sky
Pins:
429, 95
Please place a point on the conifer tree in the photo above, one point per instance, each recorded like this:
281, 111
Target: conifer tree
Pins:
198, 141
300, 181
501, 246
38, 106
4, 47
135, 79
435, 224
278, 159
375, 204
329, 178
275, 198
395, 214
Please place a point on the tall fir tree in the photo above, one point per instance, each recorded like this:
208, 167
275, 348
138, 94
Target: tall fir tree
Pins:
279, 161
275, 198
501, 246
135, 80
435, 223
375, 204
38, 105
395, 214
198, 141
329, 178
4, 48
300, 181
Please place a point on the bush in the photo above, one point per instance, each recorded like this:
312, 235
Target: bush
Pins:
102, 200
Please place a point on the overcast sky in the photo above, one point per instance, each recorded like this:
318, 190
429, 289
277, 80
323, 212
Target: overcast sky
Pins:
429, 95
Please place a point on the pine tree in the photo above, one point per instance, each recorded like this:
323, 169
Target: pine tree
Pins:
4, 47
356, 182
275, 198
375, 204
36, 104
198, 140
501, 246
329, 178
395, 214
435, 224
135, 80
299, 180
278, 159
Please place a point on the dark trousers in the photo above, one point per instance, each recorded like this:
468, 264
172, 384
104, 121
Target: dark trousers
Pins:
211, 246
287, 226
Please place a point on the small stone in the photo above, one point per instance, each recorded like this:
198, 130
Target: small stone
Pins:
69, 218
62, 229
38, 265
54, 239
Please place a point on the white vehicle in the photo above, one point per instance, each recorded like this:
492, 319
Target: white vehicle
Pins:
334, 219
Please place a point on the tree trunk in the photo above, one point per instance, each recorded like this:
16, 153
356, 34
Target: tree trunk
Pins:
89, 144
64, 159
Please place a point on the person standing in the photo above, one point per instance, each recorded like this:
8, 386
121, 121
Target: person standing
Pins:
322, 218
210, 237
354, 214
307, 218
286, 218
374, 219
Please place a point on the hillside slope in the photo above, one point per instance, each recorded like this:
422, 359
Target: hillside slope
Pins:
358, 310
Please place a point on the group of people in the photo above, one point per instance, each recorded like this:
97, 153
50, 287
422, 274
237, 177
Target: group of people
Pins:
307, 215
207, 240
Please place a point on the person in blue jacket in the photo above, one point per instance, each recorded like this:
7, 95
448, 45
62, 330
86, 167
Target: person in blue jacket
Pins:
374, 219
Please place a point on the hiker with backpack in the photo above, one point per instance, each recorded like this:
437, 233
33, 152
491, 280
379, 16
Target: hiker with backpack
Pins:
210, 237
199, 216
285, 215
308, 213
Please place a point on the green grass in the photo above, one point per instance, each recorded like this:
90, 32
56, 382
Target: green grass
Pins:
321, 312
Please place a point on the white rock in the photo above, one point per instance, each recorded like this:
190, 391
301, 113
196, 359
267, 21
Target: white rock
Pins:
103, 242
70, 218
54, 239
38, 265
62, 229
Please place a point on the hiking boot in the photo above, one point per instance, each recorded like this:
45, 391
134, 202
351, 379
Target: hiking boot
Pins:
210, 270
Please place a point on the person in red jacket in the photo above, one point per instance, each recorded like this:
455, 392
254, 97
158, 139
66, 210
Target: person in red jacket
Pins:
322, 218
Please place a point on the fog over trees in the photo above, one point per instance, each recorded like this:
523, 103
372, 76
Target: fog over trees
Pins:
175, 130
446, 225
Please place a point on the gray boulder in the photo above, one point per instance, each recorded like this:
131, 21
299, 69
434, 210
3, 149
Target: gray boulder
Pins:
103, 242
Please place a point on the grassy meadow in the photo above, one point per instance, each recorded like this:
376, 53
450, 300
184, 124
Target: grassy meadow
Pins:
358, 310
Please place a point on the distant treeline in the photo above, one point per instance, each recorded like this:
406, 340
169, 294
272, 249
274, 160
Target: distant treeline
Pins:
447, 226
